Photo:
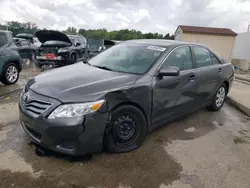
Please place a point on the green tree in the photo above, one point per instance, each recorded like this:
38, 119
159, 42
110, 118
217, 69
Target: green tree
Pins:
123, 34
70, 31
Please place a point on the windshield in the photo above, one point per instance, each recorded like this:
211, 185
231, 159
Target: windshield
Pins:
128, 58
3, 39
72, 39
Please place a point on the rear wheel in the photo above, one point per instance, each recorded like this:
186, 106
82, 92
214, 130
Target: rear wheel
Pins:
128, 129
219, 98
10, 74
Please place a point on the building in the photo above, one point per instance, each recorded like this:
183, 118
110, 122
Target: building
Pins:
241, 51
241, 48
220, 40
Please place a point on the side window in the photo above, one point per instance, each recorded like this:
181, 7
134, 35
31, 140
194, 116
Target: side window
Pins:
79, 39
202, 57
215, 60
3, 39
180, 58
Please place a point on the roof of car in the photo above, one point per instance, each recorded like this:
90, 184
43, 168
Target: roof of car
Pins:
157, 42
24, 35
5, 31
19, 38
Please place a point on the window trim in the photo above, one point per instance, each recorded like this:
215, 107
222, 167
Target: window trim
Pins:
195, 62
213, 54
6, 39
192, 58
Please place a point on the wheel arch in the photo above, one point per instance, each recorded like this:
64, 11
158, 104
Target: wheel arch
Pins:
130, 103
73, 52
19, 66
227, 85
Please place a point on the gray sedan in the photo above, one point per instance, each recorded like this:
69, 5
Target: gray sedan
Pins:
121, 94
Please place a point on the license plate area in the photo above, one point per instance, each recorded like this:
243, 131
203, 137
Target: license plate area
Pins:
50, 56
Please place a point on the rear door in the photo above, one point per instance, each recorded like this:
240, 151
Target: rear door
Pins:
207, 74
174, 95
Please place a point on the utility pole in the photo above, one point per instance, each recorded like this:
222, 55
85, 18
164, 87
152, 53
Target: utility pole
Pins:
248, 28
6, 22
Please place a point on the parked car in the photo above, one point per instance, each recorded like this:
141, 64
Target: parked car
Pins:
30, 38
60, 49
95, 46
10, 60
110, 43
37, 43
26, 49
121, 94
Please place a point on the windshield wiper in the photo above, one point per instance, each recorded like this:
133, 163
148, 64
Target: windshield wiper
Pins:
85, 61
103, 67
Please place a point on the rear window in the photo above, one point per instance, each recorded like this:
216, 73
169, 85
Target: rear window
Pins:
3, 39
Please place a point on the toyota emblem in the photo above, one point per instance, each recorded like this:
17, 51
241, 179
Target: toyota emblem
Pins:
26, 96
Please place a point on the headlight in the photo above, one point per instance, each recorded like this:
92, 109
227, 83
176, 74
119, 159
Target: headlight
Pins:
62, 50
74, 110
100, 49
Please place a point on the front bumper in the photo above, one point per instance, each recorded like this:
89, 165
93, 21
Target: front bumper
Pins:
72, 136
57, 58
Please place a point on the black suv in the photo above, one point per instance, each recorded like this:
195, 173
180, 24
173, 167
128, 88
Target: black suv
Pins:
10, 60
60, 49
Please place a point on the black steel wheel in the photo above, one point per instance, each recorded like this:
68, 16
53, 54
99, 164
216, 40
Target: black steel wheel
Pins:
128, 129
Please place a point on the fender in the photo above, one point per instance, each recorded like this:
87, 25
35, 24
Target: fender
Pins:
8, 57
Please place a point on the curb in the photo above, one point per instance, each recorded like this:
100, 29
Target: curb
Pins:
9, 93
238, 105
242, 78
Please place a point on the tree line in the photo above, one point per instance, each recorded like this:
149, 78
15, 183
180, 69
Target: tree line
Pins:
123, 34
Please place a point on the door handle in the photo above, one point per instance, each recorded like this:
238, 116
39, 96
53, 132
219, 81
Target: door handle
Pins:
192, 78
219, 70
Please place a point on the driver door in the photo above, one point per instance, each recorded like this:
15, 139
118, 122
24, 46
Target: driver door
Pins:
174, 95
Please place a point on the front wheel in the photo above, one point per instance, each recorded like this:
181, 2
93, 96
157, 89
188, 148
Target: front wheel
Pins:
219, 98
10, 74
72, 58
128, 129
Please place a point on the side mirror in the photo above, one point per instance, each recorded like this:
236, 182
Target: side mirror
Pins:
78, 44
169, 71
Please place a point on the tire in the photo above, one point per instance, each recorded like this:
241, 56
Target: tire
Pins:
128, 129
37, 64
219, 98
72, 58
10, 74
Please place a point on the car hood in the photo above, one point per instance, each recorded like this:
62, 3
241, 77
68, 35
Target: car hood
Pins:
50, 35
79, 82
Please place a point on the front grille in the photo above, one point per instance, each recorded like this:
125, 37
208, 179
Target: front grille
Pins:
36, 107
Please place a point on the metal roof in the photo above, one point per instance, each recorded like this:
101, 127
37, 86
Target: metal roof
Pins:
207, 30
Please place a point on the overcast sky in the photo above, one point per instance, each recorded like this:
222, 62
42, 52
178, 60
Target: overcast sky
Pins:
161, 16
